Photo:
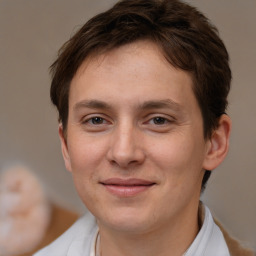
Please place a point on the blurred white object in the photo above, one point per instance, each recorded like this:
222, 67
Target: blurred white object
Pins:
24, 211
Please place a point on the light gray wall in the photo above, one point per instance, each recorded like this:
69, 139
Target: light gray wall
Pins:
31, 32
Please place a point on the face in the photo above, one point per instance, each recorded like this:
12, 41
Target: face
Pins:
135, 143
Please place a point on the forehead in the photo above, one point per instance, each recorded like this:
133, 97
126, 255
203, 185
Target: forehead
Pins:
135, 69
119, 55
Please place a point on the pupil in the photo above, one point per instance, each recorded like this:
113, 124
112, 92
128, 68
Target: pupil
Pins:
159, 120
97, 120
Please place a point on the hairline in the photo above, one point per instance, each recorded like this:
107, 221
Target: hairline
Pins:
102, 50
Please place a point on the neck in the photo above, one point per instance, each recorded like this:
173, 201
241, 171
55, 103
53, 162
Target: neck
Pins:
174, 238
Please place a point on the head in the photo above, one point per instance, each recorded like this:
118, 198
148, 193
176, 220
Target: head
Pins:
184, 36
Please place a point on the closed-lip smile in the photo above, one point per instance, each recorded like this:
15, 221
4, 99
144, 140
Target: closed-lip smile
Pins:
127, 187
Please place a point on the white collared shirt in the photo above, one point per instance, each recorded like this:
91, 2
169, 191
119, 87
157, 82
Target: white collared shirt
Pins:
81, 240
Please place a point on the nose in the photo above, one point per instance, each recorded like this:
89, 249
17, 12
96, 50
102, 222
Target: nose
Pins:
126, 149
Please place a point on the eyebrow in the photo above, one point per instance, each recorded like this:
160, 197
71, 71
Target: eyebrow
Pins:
151, 104
93, 104
158, 104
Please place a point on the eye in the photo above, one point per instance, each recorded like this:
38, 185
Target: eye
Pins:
159, 123
159, 120
94, 123
96, 120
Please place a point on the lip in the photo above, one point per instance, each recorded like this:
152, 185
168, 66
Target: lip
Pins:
127, 187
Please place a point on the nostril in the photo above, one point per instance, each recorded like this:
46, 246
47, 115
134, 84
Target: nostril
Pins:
125, 163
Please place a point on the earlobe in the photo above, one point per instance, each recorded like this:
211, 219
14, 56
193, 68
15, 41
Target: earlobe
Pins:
218, 144
64, 148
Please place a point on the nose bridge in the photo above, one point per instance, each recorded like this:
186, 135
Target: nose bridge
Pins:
126, 139
124, 148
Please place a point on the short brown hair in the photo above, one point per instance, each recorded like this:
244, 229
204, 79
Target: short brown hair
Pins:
187, 40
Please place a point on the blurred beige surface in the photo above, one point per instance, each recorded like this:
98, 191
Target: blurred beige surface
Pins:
31, 32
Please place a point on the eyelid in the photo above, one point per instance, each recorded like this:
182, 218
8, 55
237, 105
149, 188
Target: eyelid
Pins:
166, 121
90, 121
168, 118
87, 118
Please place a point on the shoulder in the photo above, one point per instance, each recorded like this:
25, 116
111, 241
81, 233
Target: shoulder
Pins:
235, 247
77, 238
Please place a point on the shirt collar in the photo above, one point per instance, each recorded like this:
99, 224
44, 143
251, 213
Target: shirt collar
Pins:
94, 250
208, 242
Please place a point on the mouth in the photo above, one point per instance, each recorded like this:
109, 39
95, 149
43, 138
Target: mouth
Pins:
127, 187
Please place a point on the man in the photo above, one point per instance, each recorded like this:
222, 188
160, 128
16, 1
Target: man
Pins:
141, 92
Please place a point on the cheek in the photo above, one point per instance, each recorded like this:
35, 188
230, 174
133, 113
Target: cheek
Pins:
87, 158
86, 154
179, 157
170, 152
180, 163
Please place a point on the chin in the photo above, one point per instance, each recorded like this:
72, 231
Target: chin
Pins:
127, 221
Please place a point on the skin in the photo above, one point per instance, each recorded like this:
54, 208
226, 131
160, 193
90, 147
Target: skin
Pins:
133, 115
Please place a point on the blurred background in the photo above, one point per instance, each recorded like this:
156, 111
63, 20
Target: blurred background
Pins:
32, 31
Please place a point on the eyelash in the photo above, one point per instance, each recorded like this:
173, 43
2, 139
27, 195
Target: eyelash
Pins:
92, 119
161, 119
156, 123
99, 121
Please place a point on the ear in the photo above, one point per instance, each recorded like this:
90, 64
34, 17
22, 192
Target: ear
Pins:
218, 144
64, 148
